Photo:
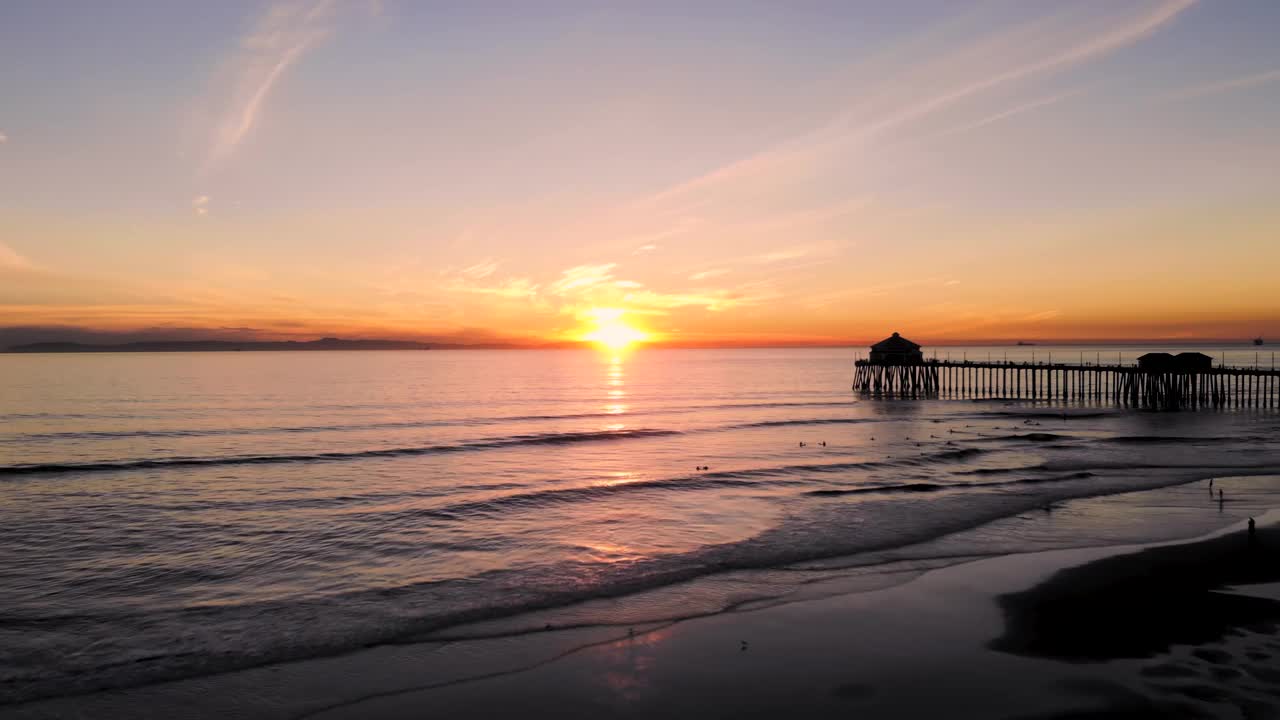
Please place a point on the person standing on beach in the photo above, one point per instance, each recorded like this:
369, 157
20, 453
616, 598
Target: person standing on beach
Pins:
1253, 532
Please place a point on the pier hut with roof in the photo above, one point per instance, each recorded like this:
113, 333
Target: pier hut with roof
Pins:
896, 350
1183, 362
895, 366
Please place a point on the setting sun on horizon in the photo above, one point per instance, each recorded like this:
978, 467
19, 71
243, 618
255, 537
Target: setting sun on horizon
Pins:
611, 331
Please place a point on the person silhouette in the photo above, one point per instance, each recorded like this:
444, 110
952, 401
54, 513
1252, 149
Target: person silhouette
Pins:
1253, 532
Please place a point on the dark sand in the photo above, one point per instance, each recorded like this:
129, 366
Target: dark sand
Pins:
1212, 648
1134, 606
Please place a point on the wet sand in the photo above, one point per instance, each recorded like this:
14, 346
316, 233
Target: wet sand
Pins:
1164, 630
1136, 605
1202, 617
1146, 633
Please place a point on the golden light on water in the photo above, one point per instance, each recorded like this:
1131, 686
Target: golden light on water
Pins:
616, 394
611, 331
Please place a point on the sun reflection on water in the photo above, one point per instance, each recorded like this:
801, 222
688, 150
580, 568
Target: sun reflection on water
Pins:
615, 378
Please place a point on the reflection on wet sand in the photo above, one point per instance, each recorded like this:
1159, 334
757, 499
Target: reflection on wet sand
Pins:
629, 663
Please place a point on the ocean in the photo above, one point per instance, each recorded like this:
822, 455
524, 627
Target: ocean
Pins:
176, 514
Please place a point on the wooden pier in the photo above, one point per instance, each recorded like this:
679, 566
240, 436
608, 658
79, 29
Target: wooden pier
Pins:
1124, 385
896, 367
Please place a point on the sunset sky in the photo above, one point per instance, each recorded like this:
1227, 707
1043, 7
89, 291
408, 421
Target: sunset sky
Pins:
710, 172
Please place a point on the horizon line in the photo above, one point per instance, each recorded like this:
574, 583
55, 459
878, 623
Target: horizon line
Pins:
498, 344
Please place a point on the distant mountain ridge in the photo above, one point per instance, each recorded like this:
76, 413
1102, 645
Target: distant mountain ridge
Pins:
227, 346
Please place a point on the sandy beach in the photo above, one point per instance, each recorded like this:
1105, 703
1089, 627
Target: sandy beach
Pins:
1183, 628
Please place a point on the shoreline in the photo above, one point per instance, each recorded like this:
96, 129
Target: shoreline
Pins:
930, 622
387, 680
875, 567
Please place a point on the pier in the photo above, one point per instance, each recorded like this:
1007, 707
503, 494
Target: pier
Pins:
897, 368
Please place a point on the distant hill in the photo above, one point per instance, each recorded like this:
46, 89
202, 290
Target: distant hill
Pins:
221, 346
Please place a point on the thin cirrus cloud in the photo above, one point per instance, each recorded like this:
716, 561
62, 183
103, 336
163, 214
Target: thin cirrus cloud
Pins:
917, 89
1011, 112
277, 41
509, 289
653, 302
707, 274
1227, 85
11, 260
480, 270
910, 98
596, 285
583, 277
783, 255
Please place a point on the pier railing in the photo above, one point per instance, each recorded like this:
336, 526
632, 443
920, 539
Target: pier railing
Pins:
1125, 385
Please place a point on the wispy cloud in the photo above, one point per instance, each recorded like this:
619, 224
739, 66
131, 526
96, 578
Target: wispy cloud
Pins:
1042, 316
708, 274
280, 37
200, 205
3, 138
793, 253
919, 88
582, 288
1006, 114
651, 240
1219, 86
583, 277
511, 288
11, 260
480, 270
480, 279
654, 302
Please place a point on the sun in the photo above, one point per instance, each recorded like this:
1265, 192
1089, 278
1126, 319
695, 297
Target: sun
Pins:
610, 331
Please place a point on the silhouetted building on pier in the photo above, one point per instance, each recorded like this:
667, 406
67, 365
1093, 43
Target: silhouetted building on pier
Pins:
896, 350
1182, 362
1193, 361
1156, 362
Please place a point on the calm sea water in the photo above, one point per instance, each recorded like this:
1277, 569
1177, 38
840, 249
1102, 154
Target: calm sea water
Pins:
164, 515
